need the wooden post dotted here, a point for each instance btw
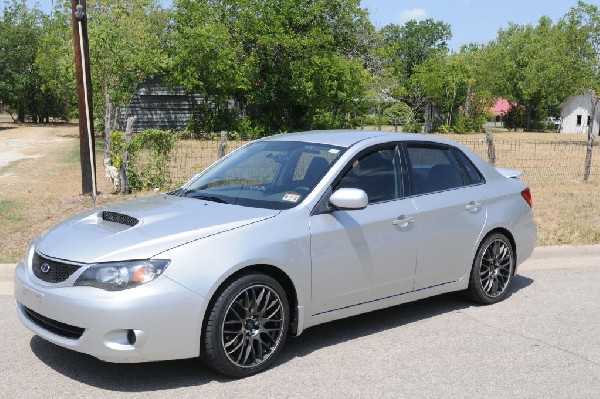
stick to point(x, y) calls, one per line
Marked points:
point(491, 148)
point(123, 172)
point(222, 145)
point(591, 138)
point(84, 99)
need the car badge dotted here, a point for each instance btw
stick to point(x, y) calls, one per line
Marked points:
point(45, 268)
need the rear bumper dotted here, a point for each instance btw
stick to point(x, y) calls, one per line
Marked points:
point(526, 238)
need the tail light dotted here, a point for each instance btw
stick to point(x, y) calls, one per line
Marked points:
point(526, 194)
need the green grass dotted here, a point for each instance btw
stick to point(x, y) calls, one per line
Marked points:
point(72, 155)
point(10, 211)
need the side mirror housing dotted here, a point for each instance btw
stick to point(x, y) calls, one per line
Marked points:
point(349, 199)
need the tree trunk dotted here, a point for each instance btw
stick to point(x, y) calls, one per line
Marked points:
point(428, 116)
point(468, 101)
point(107, 110)
point(21, 115)
point(528, 112)
point(591, 137)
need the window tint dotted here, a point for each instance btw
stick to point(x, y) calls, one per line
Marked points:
point(433, 169)
point(376, 174)
point(472, 172)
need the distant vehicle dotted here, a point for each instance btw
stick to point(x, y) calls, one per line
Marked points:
point(283, 234)
point(555, 123)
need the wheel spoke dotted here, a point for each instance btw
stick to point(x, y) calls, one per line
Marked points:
point(496, 268)
point(253, 326)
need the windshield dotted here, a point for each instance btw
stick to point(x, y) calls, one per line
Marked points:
point(265, 174)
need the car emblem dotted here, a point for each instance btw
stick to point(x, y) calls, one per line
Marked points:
point(45, 268)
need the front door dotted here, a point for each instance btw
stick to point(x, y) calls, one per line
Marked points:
point(369, 254)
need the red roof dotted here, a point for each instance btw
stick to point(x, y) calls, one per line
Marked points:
point(501, 107)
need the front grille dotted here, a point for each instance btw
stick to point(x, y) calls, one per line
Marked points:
point(119, 218)
point(51, 271)
point(56, 327)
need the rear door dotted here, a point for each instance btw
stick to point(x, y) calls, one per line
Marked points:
point(451, 212)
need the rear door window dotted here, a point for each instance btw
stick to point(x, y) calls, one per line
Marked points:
point(433, 168)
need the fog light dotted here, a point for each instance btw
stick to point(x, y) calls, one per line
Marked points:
point(131, 337)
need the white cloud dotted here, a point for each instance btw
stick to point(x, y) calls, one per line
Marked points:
point(418, 14)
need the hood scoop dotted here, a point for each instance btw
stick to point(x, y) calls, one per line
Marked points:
point(120, 218)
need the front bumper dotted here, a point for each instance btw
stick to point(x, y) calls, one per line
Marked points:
point(165, 317)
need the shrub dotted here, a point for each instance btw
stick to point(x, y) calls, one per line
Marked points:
point(149, 156)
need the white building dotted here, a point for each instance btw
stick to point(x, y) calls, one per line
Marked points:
point(576, 116)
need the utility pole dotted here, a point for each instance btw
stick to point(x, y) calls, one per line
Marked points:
point(84, 99)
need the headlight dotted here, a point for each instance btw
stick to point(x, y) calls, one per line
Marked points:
point(116, 276)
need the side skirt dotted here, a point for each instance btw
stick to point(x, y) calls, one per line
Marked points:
point(386, 302)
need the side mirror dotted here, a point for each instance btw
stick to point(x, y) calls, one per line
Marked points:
point(349, 199)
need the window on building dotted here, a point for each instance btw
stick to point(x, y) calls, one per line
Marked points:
point(578, 120)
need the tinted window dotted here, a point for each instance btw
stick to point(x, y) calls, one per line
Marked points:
point(470, 169)
point(376, 174)
point(433, 169)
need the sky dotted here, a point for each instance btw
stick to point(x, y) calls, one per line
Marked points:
point(472, 21)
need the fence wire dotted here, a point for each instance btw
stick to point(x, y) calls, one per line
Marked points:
point(543, 162)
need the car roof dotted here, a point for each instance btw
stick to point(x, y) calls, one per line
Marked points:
point(347, 138)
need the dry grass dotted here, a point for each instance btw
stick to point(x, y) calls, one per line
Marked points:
point(36, 193)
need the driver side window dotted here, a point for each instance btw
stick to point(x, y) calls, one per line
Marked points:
point(376, 174)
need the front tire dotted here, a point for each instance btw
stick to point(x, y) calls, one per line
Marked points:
point(246, 327)
point(492, 270)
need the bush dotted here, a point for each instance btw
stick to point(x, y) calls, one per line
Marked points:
point(414, 127)
point(149, 156)
point(469, 124)
point(515, 118)
point(397, 113)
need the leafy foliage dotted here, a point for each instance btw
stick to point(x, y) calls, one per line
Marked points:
point(149, 154)
point(286, 64)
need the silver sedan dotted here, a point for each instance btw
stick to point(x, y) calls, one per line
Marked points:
point(283, 234)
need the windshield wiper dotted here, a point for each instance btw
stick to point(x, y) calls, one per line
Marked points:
point(208, 198)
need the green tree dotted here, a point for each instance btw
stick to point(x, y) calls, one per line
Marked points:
point(413, 43)
point(456, 84)
point(536, 66)
point(127, 47)
point(407, 46)
point(20, 33)
point(55, 62)
point(287, 64)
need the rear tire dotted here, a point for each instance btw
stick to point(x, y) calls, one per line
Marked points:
point(246, 327)
point(492, 270)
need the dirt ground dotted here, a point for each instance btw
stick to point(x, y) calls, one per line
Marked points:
point(40, 183)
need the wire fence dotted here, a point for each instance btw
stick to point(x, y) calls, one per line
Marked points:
point(543, 162)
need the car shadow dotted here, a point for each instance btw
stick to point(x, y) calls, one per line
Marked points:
point(141, 377)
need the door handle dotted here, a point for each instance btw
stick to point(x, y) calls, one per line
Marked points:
point(403, 221)
point(473, 206)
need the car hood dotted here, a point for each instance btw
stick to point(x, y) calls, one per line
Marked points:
point(142, 228)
